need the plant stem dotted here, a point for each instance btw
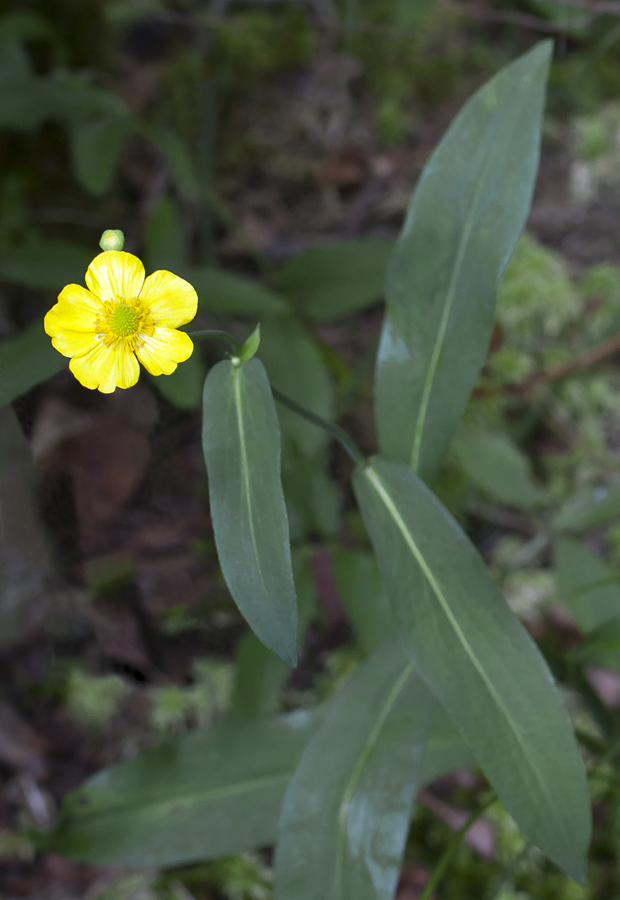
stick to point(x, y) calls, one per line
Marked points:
point(217, 333)
point(335, 431)
point(451, 849)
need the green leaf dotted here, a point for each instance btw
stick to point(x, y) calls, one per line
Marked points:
point(241, 443)
point(165, 238)
point(363, 596)
point(478, 660)
point(184, 387)
point(589, 507)
point(345, 814)
point(96, 146)
point(497, 467)
point(26, 360)
point(589, 588)
point(601, 648)
point(177, 155)
point(327, 283)
point(251, 345)
point(312, 496)
point(231, 295)
point(260, 675)
point(294, 364)
point(467, 212)
point(45, 264)
point(207, 794)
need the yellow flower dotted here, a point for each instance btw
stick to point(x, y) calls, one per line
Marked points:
point(120, 317)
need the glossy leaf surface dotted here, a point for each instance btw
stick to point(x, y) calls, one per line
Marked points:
point(496, 466)
point(589, 507)
point(26, 360)
point(588, 587)
point(344, 824)
point(241, 443)
point(209, 793)
point(466, 215)
point(478, 660)
point(327, 283)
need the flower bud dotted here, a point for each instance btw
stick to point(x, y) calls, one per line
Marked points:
point(112, 240)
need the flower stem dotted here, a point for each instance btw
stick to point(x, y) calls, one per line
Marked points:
point(216, 333)
point(335, 431)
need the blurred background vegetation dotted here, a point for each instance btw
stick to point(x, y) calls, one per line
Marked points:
point(267, 151)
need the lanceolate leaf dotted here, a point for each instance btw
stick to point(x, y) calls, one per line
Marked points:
point(466, 215)
point(26, 360)
point(478, 660)
point(203, 795)
point(344, 824)
point(327, 283)
point(589, 507)
point(241, 443)
point(587, 586)
point(497, 467)
point(210, 793)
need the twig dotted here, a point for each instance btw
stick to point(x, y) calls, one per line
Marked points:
point(583, 361)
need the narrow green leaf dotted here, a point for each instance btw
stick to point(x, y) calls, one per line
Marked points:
point(96, 146)
point(184, 387)
point(497, 467)
point(479, 661)
point(165, 238)
point(241, 443)
point(251, 345)
point(601, 648)
point(260, 675)
point(294, 364)
point(46, 265)
point(363, 596)
point(467, 212)
point(588, 587)
point(26, 360)
point(327, 283)
point(207, 794)
point(227, 294)
point(589, 507)
point(177, 154)
point(344, 824)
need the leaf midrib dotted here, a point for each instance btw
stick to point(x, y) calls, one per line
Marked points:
point(356, 774)
point(451, 293)
point(246, 480)
point(375, 480)
point(196, 797)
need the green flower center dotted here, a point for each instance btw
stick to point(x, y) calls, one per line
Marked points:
point(124, 321)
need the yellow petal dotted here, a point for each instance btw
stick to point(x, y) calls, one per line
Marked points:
point(74, 343)
point(106, 368)
point(115, 274)
point(162, 350)
point(172, 301)
point(76, 310)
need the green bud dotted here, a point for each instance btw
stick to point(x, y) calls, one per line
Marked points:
point(112, 240)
